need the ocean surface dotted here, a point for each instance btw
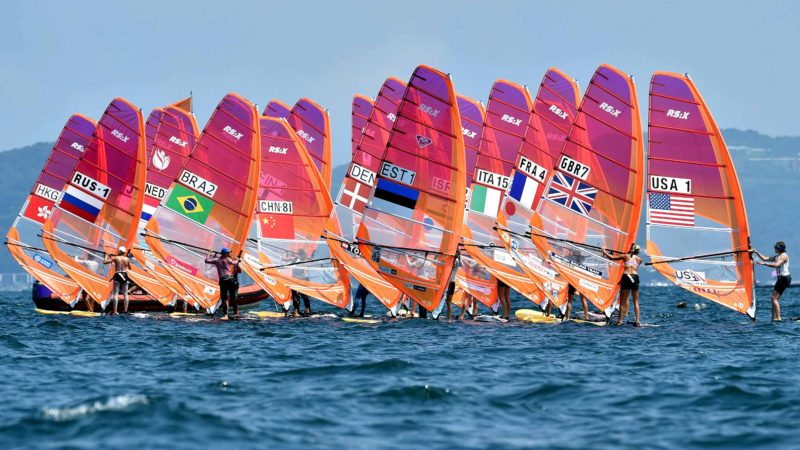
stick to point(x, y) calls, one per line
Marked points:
point(704, 377)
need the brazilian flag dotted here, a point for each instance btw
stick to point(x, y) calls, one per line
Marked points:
point(189, 203)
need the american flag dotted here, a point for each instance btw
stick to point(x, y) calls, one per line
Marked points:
point(572, 193)
point(669, 209)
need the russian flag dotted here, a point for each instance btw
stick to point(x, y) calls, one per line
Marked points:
point(81, 204)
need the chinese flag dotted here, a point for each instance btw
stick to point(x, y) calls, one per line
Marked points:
point(276, 226)
point(38, 209)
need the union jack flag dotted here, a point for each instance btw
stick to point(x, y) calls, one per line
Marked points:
point(572, 193)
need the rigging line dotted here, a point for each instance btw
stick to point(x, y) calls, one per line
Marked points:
point(294, 264)
point(685, 258)
point(26, 246)
point(172, 241)
point(568, 241)
point(61, 241)
point(391, 247)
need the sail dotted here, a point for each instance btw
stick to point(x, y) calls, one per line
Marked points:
point(100, 206)
point(286, 246)
point(507, 116)
point(362, 106)
point(353, 196)
point(23, 239)
point(312, 125)
point(471, 276)
point(594, 198)
point(554, 110)
point(277, 109)
point(411, 226)
point(171, 134)
point(211, 202)
point(697, 232)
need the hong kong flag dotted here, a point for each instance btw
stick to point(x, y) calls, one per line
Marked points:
point(38, 209)
point(276, 226)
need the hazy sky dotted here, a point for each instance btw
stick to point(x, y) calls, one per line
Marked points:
point(62, 57)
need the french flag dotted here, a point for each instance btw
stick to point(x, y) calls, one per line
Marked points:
point(81, 204)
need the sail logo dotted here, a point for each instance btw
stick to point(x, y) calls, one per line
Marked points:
point(423, 141)
point(90, 184)
point(42, 260)
point(511, 119)
point(440, 184)
point(161, 159)
point(47, 192)
point(119, 135)
point(178, 141)
point(683, 115)
point(573, 167)
point(668, 184)
point(690, 277)
point(493, 179)
point(610, 109)
point(305, 136)
point(198, 183)
point(468, 133)
point(705, 290)
point(428, 110)
point(558, 111)
point(397, 173)
point(392, 117)
point(78, 147)
point(154, 191)
point(532, 169)
point(362, 174)
point(278, 150)
point(275, 207)
point(232, 131)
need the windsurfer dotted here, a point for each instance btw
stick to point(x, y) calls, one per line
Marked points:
point(780, 262)
point(121, 265)
point(504, 295)
point(299, 273)
point(228, 271)
point(361, 297)
point(571, 296)
point(629, 284)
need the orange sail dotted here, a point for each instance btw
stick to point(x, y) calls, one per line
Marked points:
point(353, 196)
point(594, 198)
point(471, 277)
point(554, 110)
point(100, 206)
point(507, 116)
point(211, 202)
point(411, 227)
point(362, 107)
point(293, 206)
point(171, 134)
point(697, 231)
point(23, 239)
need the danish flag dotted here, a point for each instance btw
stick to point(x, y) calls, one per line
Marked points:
point(354, 195)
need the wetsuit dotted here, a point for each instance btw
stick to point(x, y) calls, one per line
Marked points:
point(361, 296)
point(228, 271)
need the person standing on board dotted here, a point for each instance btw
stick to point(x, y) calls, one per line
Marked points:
point(629, 283)
point(504, 294)
point(570, 297)
point(780, 262)
point(227, 270)
point(121, 265)
point(361, 297)
point(299, 273)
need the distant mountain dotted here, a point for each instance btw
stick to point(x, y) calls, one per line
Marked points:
point(768, 168)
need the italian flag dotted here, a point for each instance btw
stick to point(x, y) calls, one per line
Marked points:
point(485, 200)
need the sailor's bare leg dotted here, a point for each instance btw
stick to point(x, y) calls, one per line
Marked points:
point(635, 295)
point(623, 306)
point(585, 307)
point(776, 306)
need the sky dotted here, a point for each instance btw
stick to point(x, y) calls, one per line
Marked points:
point(64, 57)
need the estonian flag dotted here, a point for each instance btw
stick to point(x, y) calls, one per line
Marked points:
point(396, 193)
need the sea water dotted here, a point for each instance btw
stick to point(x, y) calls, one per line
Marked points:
point(705, 377)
